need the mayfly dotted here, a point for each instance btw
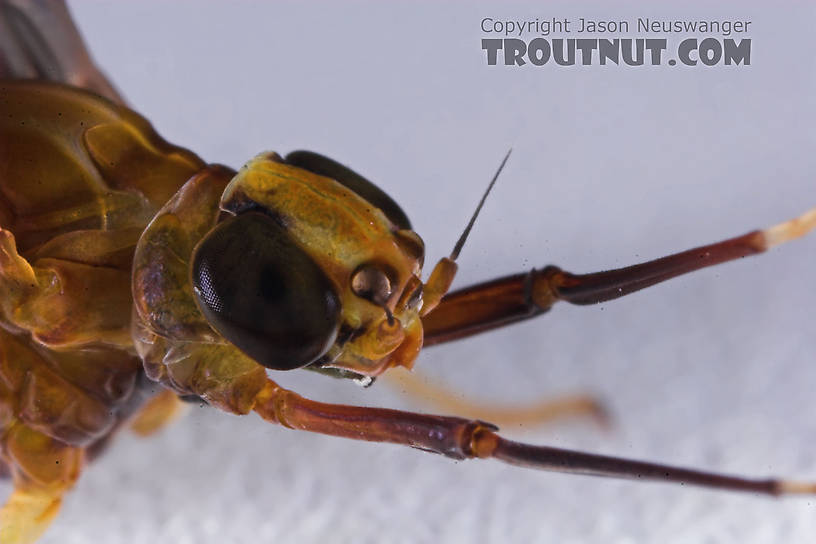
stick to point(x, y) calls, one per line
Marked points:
point(128, 261)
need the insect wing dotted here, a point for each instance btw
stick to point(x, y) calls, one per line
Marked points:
point(39, 40)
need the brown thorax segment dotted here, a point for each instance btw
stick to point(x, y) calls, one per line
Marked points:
point(81, 178)
point(107, 173)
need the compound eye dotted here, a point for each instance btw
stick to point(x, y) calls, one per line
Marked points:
point(371, 283)
point(263, 293)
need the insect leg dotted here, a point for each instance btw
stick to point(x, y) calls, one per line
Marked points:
point(538, 413)
point(518, 297)
point(459, 438)
point(157, 413)
point(27, 514)
point(43, 469)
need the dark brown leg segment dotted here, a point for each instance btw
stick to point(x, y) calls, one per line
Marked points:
point(514, 298)
point(463, 439)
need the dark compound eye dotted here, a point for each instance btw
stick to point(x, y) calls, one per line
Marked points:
point(412, 244)
point(263, 293)
point(371, 283)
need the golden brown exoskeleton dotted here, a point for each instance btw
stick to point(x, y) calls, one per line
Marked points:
point(79, 181)
point(125, 260)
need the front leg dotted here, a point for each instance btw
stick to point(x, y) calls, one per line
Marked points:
point(459, 439)
point(507, 300)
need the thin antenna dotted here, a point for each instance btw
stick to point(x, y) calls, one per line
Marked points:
point(461, 242)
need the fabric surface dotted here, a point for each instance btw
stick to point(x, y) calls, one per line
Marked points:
point(610, 166)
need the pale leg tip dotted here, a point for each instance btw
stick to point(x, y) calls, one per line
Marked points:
point(787, 487)
point(790, 230)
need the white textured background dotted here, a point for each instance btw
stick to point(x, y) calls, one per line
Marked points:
point(611, 166)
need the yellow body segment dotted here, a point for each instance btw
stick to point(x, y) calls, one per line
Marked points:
point(80, 178)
